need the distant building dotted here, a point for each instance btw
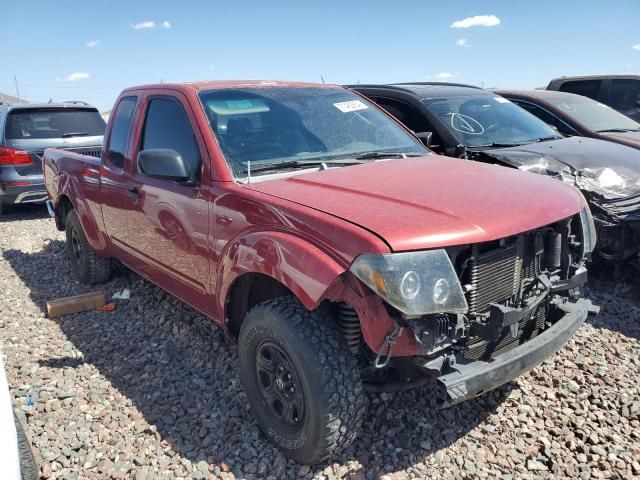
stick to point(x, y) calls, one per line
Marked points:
point(6, 98)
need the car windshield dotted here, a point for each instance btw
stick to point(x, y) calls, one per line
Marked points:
point(594, 115)
point(488, 121)
point(39, 123)
point(286, 126)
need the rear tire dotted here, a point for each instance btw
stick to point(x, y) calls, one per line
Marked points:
point(301, 380)
point(87, 265)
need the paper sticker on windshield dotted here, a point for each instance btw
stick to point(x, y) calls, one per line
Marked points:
point(501, 100)
point(350, 106)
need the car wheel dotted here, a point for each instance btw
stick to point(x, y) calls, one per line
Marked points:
point(86, 264)
point(301, 380)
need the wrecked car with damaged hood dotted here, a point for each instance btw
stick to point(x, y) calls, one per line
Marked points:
point(321, 234)
point(466, 121)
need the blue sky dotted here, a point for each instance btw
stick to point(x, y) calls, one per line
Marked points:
point(46, 44)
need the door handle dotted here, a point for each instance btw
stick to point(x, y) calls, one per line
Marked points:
point(134, 194)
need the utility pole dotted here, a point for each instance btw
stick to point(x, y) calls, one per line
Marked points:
point(15, 79)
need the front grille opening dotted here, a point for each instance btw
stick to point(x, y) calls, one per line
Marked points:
point(506, 273)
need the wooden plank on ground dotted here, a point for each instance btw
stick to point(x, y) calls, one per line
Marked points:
point(78, 303)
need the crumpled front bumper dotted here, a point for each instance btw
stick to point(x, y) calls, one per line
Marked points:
point(474, 378)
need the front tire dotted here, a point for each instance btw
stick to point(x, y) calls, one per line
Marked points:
point(87, 265)
point(301, 380)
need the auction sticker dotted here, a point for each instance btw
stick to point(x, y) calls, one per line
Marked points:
point(350, 106)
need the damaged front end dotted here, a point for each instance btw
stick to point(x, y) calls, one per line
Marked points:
point(523, 302)
point(613, 194)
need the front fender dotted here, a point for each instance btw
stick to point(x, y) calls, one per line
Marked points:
point(68, 187)
point(304, 268)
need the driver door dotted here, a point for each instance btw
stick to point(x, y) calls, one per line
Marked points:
point(168, 222)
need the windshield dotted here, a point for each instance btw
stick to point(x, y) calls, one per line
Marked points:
point(593, 115)
point(487, 120)
point(27, 123)
point(273, 125)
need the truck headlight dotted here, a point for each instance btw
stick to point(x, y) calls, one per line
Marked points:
point(416, 283)
point(589, 236)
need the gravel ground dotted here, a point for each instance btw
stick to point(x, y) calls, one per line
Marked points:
point(151, 391)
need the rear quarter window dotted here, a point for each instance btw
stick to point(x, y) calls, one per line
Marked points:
point(27, 124)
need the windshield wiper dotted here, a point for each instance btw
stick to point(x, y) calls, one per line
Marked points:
point(74, 134)
point(297, 163)
point(497, 145)
point(618, 130)
point(375, 155)
point(546, 139)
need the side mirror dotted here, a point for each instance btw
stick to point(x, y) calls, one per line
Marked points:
point(425, 137)
point(163, 163)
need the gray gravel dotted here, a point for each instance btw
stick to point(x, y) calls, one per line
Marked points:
point(151, 391)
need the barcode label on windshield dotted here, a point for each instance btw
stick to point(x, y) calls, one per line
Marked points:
point(350, 106)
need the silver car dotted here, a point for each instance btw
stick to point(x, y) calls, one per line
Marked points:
point(26, 130)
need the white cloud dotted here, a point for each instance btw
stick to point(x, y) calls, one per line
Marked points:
point(92, 43)
point(74, 77)
point(477, 21)
point(463, 42)
point(143, 25)
point(636, 47)
point(150, 24)
point(445, 75)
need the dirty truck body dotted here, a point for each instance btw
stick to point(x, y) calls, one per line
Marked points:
point(306, 222)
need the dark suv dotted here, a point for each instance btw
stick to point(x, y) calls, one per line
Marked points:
point(26, 130)
point(621, 92)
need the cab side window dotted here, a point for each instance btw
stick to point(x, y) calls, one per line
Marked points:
point(167, 126)
point(410, 118)
point(120, 131)
point(624, 94)
point(586, 88)
point(543, 115)
point(546, 117)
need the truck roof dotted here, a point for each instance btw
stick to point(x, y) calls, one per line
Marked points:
point(219, 84)
point(594, 77)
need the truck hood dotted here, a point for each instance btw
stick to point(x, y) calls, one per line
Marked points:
point(432, 201)
point(607, 169)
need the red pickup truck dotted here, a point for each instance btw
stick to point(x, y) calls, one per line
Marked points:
point(339, 252)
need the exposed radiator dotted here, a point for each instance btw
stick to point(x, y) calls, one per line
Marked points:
point(493, 276)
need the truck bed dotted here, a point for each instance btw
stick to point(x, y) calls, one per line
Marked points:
point(58, 165)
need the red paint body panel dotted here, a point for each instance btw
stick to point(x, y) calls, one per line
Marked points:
point(433, 201)
point(303, 231)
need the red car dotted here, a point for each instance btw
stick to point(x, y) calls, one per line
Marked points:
point(340, 252)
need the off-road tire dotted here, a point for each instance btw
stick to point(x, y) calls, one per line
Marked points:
point(327, 371)
point(28, 466)
point(87, 265)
